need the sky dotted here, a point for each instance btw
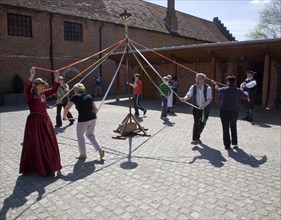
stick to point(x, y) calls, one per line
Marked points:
point(238, 16)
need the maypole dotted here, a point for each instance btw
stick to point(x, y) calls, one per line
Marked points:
point(130, 124)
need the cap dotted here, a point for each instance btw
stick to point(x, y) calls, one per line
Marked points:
point(61, 77)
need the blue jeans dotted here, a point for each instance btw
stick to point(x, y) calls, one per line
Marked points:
point(164, 107)
point(137, 105)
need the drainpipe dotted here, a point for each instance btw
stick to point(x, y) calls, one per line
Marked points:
point(51, 55)
point(100, 67)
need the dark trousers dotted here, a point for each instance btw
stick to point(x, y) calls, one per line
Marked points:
point(137, 105)
point(229, 120)
point(175, 96)
point(58, 117)
point(198, 124)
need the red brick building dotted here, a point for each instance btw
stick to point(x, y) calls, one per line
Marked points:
point(53, 34)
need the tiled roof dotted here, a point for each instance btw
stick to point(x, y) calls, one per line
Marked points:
point(145, 15)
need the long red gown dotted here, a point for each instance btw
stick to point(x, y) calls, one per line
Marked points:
point(40, 151)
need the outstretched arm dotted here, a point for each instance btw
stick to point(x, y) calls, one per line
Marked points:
point(55, 86)
point(66, 109)
point(28, 84)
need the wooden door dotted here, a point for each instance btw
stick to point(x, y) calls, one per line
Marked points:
point(149, 90)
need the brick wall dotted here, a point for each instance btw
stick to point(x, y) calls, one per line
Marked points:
point(18, 54)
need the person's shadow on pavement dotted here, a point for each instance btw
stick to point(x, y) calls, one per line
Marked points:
point(207, 153)
point(241, 156)
point(25, 186)
point(59, 130)
point(29, 183)
point(81, 170)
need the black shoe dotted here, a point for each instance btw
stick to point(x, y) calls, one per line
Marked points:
point(144, 112)
point(227, 148)
point(194, 142)
point(57, 126)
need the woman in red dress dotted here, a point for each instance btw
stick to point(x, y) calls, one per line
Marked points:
point(40, 152)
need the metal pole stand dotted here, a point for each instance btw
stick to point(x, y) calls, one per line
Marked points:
point(130, 126)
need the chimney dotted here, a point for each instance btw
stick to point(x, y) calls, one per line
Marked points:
point(171, 19)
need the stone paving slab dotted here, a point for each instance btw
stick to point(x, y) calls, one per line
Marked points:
point(158, 177)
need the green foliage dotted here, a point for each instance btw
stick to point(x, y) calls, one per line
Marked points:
point(269, 25)
point(17, 84)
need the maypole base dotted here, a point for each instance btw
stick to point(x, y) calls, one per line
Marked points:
point(130, 127)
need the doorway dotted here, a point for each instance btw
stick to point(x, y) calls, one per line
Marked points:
point(149, 90)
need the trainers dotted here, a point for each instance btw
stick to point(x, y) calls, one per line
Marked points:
point(101, 154)
point(144, 112)
point(81, 157)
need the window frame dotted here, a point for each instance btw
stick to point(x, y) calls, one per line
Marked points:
point(73, 31)
point(19, 25)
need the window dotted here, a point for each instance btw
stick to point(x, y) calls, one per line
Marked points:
point(73, 31)
point(19, 25)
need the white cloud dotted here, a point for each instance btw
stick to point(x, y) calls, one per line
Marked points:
point(259, 1)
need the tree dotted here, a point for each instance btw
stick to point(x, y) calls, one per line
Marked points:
point(269, 25)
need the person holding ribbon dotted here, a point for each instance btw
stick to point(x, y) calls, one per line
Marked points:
point(249, 86)
point(229, 110)
point(87, 115)
point(62, 100)
point(40, 151)
point(201, 94)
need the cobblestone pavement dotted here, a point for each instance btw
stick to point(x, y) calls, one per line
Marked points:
point(158, 177)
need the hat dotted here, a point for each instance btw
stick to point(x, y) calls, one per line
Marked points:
point(61, 77)
point(38, 81)
point(251, 72)
point(137, 75)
